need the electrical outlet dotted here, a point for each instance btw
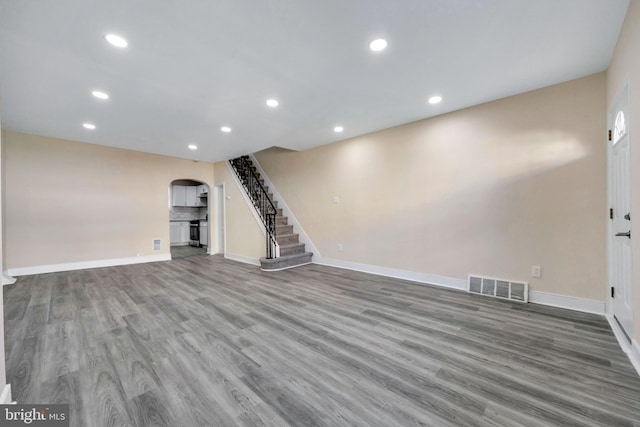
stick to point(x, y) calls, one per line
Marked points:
point(339, 247)
point(536, 271)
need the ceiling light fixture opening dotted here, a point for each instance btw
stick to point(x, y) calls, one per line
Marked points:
point(100, 95)
point(192, 147)
point(377, 45)
point(116, 40)
point(89, 126)
point(338, 129)
point(435, 99)
point(272, 102)
point(225, 129)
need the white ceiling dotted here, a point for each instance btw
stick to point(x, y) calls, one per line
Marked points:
point(196, 65)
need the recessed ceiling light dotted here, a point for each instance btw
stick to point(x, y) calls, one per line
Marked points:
point(193, 147)
point(226, 129)
point(435, 99)
point(100, 95)
point(89, 126)
point(338, 129)
point(272, 102)
point(377, 45)
point(116, 40)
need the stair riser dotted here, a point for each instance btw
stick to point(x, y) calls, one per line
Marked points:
point(284, 229)
point(299, 249)
point(288, 239)
point(277, 265)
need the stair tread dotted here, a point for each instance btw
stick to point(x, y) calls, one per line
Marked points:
point(287, 257)
point(286, 261)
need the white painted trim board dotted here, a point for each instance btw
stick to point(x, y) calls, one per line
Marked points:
point(242, 258)
point(5, 396)
point(536, 297)
point(414, 276)
point(634, 355)
point(631, 349)
point(53, 268)
point(7, 279)
point(571, 303)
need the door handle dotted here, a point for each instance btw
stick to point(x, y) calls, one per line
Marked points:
point(627, 234)
point(628, 216)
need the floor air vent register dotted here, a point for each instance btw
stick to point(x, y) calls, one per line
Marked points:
point(498, 288)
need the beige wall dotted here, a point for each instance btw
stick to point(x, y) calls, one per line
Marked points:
point(244, 238)
point(3, 375)
point(70, 202)
point(625, 68)
point(492, 189)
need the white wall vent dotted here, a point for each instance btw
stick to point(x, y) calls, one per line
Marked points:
point(157, 244)
point(498, 288)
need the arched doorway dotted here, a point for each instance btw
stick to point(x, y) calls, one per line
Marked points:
point(189, 211)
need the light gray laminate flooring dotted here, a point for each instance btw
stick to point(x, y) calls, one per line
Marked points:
point(205, 341)
point(187, 251)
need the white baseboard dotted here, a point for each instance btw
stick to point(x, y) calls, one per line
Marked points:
point(5, 396)
point(571, 303)
point(631, 349)
point(242, 258)
point(53, 268)
point(430, 279)
point(555, 300)
point(7, 279)
point(634, 355)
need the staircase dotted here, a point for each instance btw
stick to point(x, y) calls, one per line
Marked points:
point(284, 249)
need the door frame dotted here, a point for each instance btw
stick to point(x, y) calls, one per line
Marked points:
point(209, 205)
point(624, 337)
point(219, 215)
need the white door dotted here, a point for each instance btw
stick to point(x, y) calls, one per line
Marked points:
point(620, 233)
point(219, 217)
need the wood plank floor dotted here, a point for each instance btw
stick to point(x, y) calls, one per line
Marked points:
point(187, 251)
point(204, 341)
